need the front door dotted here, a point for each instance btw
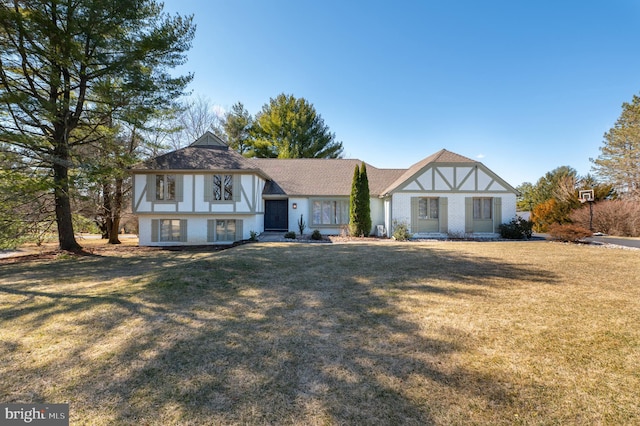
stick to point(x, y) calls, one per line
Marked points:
point(276, 216)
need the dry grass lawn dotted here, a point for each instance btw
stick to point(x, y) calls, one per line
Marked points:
point(322, 334)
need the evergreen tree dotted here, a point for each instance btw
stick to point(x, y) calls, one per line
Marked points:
point(237, 126)
point(354, 204)
point(360, 203)
point(289, 127)
point(57, 60)
point(365, 202)
point(619, 161)
point(526, 197)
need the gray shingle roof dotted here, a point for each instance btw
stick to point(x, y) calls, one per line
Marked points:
point(442, 156)
point(291, 177)
point(209, 158)
point(319, 177)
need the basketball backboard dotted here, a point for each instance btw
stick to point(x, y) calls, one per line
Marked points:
point(586, 195)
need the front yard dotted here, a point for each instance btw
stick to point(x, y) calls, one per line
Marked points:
point(360, 333)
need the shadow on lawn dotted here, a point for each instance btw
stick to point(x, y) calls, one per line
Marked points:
point(281, 334)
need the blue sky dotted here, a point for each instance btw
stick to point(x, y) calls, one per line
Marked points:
point(523, 86)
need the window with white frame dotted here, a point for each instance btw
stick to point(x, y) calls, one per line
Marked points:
point(329, 212)
point(482, 208)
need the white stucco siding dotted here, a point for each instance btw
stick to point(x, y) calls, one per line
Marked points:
point(425, 180)
point(251, 193)
point(250, 223)
point(401, 205)
point(508, 207)
point(440, 184)
point(444, 178)
point(198, 190)
point(186, 204)
point(413, 186)
point(165, 208)
point(225, 207)
point(140, 202)
point(303, 209)
point(484, 180)
point(456, 210)
point(193, 197)
point(144, 231)
point(387, 216)
point(260, 184)
point(377, 214)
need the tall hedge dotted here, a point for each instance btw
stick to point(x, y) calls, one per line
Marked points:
point(364, 204)
point(354, 200)
point(359, 203)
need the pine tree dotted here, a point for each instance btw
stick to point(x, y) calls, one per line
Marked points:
point(290, 127)
point(58, 60)
point(619, 161)
point(237, 125)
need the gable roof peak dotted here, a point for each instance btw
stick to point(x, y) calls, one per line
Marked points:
point(445, 156)
point(442, 156)
point(209, 140)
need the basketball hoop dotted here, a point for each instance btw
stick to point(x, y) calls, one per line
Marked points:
point(586, 196)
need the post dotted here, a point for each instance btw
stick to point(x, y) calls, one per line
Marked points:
point(587, 196)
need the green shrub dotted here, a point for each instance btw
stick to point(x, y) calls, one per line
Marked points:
point(517, 229)
point(316, 235)
point(290, 235)
point(401, 231)
point(253, 236)
point(568, 232)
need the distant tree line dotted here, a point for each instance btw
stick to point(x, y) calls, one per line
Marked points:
point(554, 200)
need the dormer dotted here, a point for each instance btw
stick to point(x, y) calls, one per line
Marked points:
point(209, 140)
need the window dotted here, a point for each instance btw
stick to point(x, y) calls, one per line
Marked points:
point(226, 230)
point(170, 230)
point(166, 187)
point(219, 188)
point(428, 208)
point(482, 208)
point(330, 212)
point(222, 187)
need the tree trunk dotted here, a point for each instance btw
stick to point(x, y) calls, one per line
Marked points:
point(106, 211)
point(66, 235)
point(116, 209)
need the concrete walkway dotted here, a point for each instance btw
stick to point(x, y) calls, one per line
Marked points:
point(271, 237)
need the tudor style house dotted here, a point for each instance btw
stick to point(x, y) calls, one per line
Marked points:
point(207, 193)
